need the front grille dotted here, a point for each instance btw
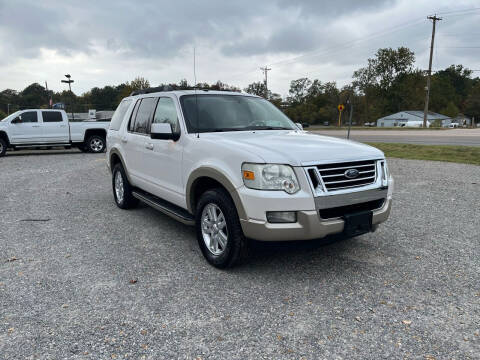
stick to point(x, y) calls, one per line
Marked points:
point(350, 209)
point(334, 178)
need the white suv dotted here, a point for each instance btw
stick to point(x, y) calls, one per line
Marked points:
point(237, 168)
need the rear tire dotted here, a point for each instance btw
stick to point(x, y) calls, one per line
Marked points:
point(218, 228)
point(96, 144)
point(3, 147)
point(122, 190)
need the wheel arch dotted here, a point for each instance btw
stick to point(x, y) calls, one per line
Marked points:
point(4, 136)
point(114, 158)
point(90, 132)
point(205, 178)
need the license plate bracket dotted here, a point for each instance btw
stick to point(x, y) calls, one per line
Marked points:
point(358, 223)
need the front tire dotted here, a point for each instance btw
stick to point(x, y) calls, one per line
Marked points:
point(122, 190)
point(218, 228)
point(96, 144)
point(3, 147)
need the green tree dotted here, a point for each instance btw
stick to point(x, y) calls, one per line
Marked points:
point(256, 88)
point(451, 110)
point(139, 83)
point(33, 96)
point(472, 104)
point(299, 90)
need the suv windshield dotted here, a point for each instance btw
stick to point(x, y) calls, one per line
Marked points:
point(232, 113)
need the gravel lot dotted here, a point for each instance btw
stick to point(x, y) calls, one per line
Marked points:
point(87, 280)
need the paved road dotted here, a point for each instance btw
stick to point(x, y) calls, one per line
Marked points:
point(467, 137)
point(82, 279)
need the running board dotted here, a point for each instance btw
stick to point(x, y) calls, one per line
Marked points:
point(165, 207)
point(40, 145)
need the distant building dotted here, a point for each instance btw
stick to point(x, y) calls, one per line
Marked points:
point(413, 119)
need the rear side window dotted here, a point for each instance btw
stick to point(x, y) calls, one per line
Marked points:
point(144, 113)
point(52, 116)
point(131, 124)
point(119, 114)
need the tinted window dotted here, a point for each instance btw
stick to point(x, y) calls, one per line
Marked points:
point(131, 124)
point(52, 116)
point(28, 117)
point(167, 113)
point(119, 114)
point(144, 113)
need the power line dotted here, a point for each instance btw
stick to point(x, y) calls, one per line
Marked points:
point(346, 45)
point(460, 11)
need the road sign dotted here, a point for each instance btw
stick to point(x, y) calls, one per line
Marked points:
point(341, 107)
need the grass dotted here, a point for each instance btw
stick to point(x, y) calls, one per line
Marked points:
point(449, 153)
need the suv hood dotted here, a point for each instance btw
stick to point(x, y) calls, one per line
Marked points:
point(296, 148)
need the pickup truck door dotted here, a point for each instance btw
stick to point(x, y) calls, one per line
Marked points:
point(162, 161)
point(55, 127)
point(25, 128)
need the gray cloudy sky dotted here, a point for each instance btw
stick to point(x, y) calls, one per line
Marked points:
point(110, 42)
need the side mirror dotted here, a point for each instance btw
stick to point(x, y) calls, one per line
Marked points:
point(17, 120)
point(163, 131)
point(299, 125)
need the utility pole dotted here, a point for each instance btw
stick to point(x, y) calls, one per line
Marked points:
point(69, 82)
point(349, 102)
point(429, 74)
point(8, 109)
point(265, 70)
point(49, 95)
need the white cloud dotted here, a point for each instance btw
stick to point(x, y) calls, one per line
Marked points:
point(107, 43)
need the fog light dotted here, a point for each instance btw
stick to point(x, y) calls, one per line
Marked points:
point(281, 216)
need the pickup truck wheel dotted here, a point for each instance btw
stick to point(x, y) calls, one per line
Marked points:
point(96, 144)
point(122, 190)
point(219, 232)
point(3, 147)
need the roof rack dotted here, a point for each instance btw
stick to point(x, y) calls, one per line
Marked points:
point(152, 90)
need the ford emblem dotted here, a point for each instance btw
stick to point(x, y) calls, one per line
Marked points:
point(351, 173)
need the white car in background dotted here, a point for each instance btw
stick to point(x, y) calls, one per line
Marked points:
point(50, 128)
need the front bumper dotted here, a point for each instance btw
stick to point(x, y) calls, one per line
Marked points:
point(309, 226)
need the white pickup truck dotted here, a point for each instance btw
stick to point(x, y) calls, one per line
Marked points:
point(50, 128)
point(237, 168)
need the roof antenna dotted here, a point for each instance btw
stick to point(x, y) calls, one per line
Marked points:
point(195, 89)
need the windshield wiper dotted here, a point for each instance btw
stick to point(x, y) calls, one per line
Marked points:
point(267, 128)
point(221, 129)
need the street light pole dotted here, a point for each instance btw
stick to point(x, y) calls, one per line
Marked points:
point(69, 82)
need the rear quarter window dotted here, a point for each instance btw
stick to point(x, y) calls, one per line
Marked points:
point(119, 115)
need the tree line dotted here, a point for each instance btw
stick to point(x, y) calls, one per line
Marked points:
point(388, 83)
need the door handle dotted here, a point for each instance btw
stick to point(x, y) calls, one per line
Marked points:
point(63, 125)
point(124, 139)
point(149, 146)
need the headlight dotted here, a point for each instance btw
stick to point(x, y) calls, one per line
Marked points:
point(270, 177)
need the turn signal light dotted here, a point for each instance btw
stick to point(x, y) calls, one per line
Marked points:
point(248, 175)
